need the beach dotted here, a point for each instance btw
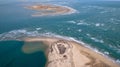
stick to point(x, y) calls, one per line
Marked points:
point(69, 53)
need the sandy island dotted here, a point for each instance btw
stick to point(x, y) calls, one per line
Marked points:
point(68, 53)
point(47, 9)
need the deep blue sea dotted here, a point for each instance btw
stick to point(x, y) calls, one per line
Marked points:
point(95, 23)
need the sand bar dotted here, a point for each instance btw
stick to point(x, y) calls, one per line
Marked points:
point(48, 9)
point(68, 53)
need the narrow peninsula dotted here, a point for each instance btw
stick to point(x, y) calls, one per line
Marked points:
point(68, 53)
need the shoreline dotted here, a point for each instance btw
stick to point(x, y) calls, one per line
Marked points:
point(83, 51)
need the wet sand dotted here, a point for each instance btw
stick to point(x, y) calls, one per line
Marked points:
point(47, 9)
point(68, 53)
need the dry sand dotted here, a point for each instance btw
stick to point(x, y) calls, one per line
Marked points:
point(68, 53)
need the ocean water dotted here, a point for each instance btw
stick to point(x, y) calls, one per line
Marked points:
point(95, 23)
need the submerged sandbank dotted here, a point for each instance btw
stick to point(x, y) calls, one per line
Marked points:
point(50, 10)
point(68, 53)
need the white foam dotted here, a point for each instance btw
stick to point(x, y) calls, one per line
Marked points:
point(118, 61)
point(95, 39)
point(71, 22)
point(82, 24)
point(114, 20)
point(106, 52)
point(16, 34)
point(88, 34)
point(38, 28)
point(116, 48)
point(97, 24)
point(79, 30)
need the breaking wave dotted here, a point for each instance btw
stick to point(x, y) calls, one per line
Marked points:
point(18, 34)
point(79, 22)
point(95, 39)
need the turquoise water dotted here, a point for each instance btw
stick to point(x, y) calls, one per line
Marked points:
point(95, 23)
